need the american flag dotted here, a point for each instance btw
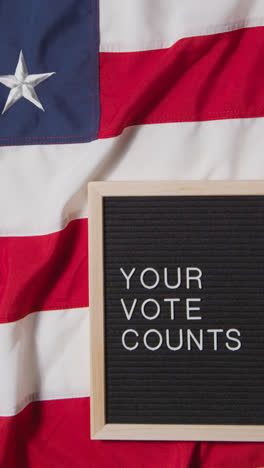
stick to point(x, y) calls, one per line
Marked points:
point(105, 90)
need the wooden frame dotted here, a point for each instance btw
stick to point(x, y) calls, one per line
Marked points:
point(99, 429)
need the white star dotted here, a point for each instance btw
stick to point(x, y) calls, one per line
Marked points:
point(22, 84)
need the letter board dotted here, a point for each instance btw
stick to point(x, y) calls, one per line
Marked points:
point(176, 278)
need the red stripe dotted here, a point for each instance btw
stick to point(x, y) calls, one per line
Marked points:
point(44, 272)
point(56, 434)
point(199, 78)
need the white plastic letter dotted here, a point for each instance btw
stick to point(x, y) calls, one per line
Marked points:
point(190, 277)
point(152, 286)
point(132, 308)
point(175, 286)
point(128, 276)
point(190, 336)
point(154, 348)
point(129, 348)
point(215, 336)
point(172, 300)
point(152, 317)
point(174, 348)
point(188, 309)
point(238, 346)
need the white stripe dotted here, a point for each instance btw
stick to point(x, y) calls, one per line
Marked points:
point(44, 356)
point(130, 25)
point(42, 188)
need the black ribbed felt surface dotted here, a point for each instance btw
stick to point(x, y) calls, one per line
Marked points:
point(224, 237)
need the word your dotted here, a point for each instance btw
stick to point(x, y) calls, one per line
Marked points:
point(192, 274)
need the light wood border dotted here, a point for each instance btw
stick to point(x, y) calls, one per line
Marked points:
point(99, 429)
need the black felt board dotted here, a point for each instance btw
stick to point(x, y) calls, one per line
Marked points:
point(224, 237)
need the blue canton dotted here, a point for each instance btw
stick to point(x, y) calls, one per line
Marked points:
point(56, 38)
